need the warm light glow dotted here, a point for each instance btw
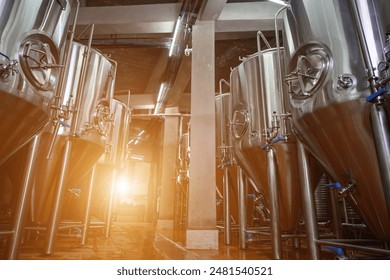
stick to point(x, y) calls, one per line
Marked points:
point(123, 185)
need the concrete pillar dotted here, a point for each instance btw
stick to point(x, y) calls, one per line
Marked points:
point(201, 224)
point(166, 192)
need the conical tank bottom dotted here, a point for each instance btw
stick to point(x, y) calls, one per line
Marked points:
point(83, 156)
point(340, 137)
point(20, 122)
point(253, 161)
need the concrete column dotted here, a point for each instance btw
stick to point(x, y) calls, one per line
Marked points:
point(201, 224)
point(166, 192)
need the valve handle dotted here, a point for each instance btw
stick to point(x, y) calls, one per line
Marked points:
point(338, 251)
point(372, 97)
point(335, 185)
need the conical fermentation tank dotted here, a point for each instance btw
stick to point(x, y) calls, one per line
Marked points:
point(109, 168)
point(85, 120)
point(32, 46)
point(335, 61)
point(259, 121)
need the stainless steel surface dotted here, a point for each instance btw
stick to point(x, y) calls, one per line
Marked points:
point(226, 206)
point(58, 197)
point(32, 39)
point(91, 127)
point(381, 129)
point(259, 119)
point(119, 133)
point(309, 210)
point(328, 83)
point(276, 237)
point(21, 211)
point(224, 154)
point(242, 213)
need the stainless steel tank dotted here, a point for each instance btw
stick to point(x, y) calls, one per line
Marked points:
point(259, 120)
point(85, 120)
point(32, 42)
point(329, 47)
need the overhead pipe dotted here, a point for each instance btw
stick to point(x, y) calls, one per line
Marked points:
point(182, 35)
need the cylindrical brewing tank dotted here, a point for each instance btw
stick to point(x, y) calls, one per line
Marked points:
point(328, 83)
point(257, 107)
point(226, 168)
point(119, 133)
point(90, 128)
point(114, 158)
point(32, 42)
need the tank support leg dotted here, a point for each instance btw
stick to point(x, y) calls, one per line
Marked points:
point(87, 213)
point(381, 128)
point(276, 236)
point(308, 203)
point(23, 201)
point(58, 200)
point(226, 205)
point(241, 208)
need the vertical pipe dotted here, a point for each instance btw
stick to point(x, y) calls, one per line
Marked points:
point(381, 128)
point(88, 207)
point(55, 216)
point(379, 115)
point(308, 202)
point(110, 203)
point(226, 205)
point(335, 214)
point(23, 201)
point(276, 236)
point(241, 208)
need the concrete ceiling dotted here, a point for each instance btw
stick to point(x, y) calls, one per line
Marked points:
point(137, 34)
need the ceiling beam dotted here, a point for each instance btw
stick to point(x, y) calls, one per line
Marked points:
point(134, 19)
point(243, 17)
point(161, 18)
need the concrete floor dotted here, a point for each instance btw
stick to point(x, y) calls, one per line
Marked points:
point(141, 241)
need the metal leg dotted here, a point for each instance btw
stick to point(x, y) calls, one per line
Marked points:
point(241, 208)
point(87, 217)
point(226, 205)
point(276, 237)
point(23, 202)
point(381, 128)
point(308, 203)
point(335, 214)
point(110, 204)
point(58, 199)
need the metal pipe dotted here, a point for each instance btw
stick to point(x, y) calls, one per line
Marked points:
point(62, 84)
point(241, 208)
point(58, 199)
point(308, 200)
point(380, 123)
point(379, 116)
point(364, 46)
point(335, 213)
point(274, 205)
point(355, 247)
point(279, 57)
point(226, 205)
point(80, 88)
point(221, 94)
point(264, 109)
point(110, 203)
point(87, 212)
point(23, 200)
